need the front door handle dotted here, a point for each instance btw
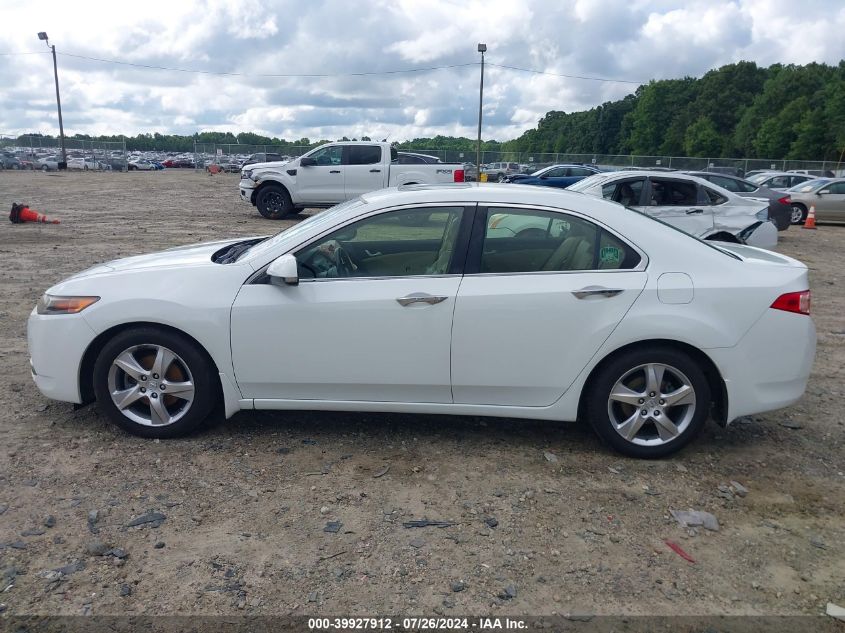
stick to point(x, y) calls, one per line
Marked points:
point(334, 171)
point(419, 297)
point(596, 291)
point(694, 211)
point(375, 171)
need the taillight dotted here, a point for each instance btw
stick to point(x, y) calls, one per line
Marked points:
point(785, 200)
point(459, 175)
point(798, 302)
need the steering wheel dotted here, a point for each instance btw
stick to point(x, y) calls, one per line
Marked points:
point(345, 266)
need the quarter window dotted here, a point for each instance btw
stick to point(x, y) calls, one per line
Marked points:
point(520, 240)
point(393, 244)
point(714, 197)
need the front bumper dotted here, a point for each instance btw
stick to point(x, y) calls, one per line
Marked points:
point(247, 190)
point(56, 346)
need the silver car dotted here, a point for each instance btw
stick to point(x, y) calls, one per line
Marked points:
point(827, 195)
point(691, 204)
point(778, 180)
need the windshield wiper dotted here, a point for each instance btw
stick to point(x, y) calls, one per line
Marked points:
point(233, 252)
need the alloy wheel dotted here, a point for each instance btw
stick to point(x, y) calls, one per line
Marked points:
point(797, 215)
point(651, 404)
point(151, 385)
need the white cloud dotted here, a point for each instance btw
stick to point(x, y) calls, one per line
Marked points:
point(626, 39)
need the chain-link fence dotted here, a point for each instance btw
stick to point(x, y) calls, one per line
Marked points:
point(45, 154)
point(228, 155)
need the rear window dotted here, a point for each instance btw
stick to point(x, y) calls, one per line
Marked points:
point(364, 154)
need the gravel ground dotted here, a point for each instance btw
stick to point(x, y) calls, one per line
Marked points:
point(278, 513)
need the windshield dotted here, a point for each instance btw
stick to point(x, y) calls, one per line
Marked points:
point(307, 224)
point(809, 185)
point(589, 181)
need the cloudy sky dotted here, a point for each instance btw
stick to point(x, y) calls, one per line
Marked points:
point(251, 40)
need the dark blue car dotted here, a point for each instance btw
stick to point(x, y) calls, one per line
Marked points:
point(555, 176)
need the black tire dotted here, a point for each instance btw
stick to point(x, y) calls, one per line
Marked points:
point(501, 178)
point(599, 405)
point(274, 203)
point(799, 213)
point(45, 168)
point(200, 369)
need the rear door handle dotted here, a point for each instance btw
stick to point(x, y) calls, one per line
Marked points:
point(334, 171)
point(694, 211)
point(375, 171)
point(419, 297)
point(596, 291)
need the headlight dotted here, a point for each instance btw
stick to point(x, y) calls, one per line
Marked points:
point(246, 174)
point(763, 215)
point(48, 304)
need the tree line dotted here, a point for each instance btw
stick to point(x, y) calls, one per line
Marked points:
point(739, 110)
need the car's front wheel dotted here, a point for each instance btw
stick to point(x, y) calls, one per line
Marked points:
point(154, 383)
point(274, 203)
point(799, 214)
point(649, 403)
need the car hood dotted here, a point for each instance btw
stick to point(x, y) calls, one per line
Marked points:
point(270, 165)
point(181, 256)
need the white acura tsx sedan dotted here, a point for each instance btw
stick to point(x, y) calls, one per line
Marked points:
point(430, 299)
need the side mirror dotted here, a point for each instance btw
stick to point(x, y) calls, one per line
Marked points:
point(284, 269)
point(307, 161)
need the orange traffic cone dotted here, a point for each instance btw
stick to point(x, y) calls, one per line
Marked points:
point(810, 222)
point(21, 213)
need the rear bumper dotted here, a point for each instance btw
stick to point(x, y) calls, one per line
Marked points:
point(770, 366)
point(763, 235)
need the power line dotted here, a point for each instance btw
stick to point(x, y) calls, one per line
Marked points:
point(543, 72)
point(326, 75)
point(277, 75)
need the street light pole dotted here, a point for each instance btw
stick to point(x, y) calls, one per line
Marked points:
point(482, 48)
point(43, 36)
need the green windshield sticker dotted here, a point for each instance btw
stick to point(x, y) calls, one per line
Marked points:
point(610, 255)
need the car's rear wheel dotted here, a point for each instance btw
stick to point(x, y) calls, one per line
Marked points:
point(154, 383)
point(799, 214)
point(274, 203)
point(649, 403)
point(45, 168)
point(501, 178)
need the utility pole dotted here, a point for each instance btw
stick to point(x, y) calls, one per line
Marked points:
point(43, 36)
point(482, 48)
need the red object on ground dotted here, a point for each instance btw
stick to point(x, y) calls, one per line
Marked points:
point(21, 213)
point(680, 552)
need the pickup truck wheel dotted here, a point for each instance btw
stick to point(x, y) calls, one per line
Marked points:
point(274, 203)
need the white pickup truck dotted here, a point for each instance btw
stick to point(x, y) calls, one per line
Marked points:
point(333, 173)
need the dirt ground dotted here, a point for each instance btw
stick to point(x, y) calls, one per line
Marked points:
point(245, 503)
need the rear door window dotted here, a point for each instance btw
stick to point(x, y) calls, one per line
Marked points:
point(364, 154)
point(673, 193)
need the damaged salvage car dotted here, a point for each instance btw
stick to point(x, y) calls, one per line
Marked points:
point(689, 203)
point(485, 300)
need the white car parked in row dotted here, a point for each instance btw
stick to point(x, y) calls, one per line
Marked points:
point(689, 203)
point(419, 300)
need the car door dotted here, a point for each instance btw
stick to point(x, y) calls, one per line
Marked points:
point(371, 317)
point(830, 202)
point(679, 203)
point(363, 169)
point(322, 183)
point(533, 309)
